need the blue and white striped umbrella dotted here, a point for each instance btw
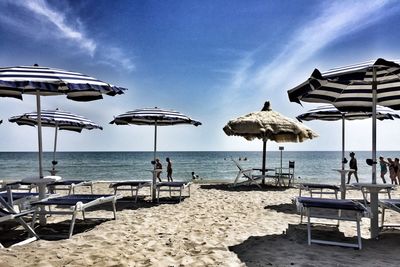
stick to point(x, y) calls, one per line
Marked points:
point(359, 87)
point(60, 120)
point(157, 117)
point(330, 113)
point(43, 81)
point(15, 81)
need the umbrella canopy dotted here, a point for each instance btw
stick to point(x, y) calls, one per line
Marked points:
point(15, 81)
point(359, 87)
point(268, 125)
point(60, 120)
point(155, 117)
point(330, 113)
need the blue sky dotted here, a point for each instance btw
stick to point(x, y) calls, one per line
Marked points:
point(212, 60)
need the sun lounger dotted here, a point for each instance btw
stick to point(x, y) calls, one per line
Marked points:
point(21, 186)
point(321, 189)
point(18, 198)
point(75, 204)
point(69, 185)
point(354, 212)
point(172, 187)
point(247, 174)
point(132, 186)
point(6, 215)
point(392, 204)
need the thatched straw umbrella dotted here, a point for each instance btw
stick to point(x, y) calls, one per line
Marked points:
point(268, 125)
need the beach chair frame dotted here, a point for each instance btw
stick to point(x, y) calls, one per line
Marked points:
point(311, 204)
point(392, 204)
point(172, 187)
point(131, 186)
point(78, 207)
point(8, 213)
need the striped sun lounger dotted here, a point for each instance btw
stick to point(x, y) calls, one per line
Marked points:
point(75, 204)
point(355, 211)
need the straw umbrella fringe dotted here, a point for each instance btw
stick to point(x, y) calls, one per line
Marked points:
point(268, 125)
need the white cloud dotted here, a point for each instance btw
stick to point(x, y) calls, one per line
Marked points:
point(337, 20)
point(41, 21)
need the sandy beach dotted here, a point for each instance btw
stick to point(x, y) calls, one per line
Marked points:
point(216, 226)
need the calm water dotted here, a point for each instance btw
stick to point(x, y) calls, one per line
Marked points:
point(310, 166)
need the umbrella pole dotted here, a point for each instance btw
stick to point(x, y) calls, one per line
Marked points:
point(264, 159)
point(54, 151)
point(154, 170)
point(374, 193)
point(42, 186)
point(342, 173)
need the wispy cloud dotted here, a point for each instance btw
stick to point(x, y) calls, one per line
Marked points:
point(39, 18)
point(337, 20)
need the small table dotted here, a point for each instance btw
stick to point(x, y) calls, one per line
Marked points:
point(343, 173)
point(374, 190)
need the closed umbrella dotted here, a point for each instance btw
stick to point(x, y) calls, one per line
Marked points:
point(268, 125)
point(330, 113)
point(154, 117)
point(59, 120)
point(359, 87)
point(44, 81)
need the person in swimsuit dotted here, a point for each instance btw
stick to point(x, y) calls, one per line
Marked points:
point(353, 166)
point(158, 168)
point(396, 171)
point(169, 170)
point(384, 168)
point(391, 170)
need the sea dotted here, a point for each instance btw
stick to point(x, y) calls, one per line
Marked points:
point(310, 166)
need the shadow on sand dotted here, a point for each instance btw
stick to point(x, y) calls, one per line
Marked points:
point(291, 249)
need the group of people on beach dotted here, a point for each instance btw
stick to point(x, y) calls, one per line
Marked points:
point(158, 166)
point(393, 166)
point(394, 169)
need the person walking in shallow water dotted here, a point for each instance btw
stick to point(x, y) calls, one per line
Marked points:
point(169, 170)
point(353, 166)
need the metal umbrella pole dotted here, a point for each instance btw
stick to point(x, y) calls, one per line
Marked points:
point(264, 159)
point(343, 174)
point(155, 167)
point(42, 186)
point(374, 193)
point(54, 162)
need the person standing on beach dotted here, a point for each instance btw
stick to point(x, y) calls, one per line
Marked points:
point(169, 170)
point(396, 170)
point(384, 168)
point(353, 166)
point(391, 170)
point(158, 169)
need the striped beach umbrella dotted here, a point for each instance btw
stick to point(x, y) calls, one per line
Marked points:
point(359, 87)
point(43, 81)
point(268, 125)
point(330, 113)
point(59, 120)
point(154, 117)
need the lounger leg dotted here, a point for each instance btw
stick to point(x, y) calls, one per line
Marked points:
point(180, 194)
point(132, 191)
point(137, 192)
point(114, 208)
point(91, 189)
point(71, 228)
point(308, 226)
point(189, 189)
point(383, 216)
point(158, 195)
point(359, 231)
point(27, 227)
point(170, 192)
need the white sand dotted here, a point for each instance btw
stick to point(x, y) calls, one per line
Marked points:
point(216, 226)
